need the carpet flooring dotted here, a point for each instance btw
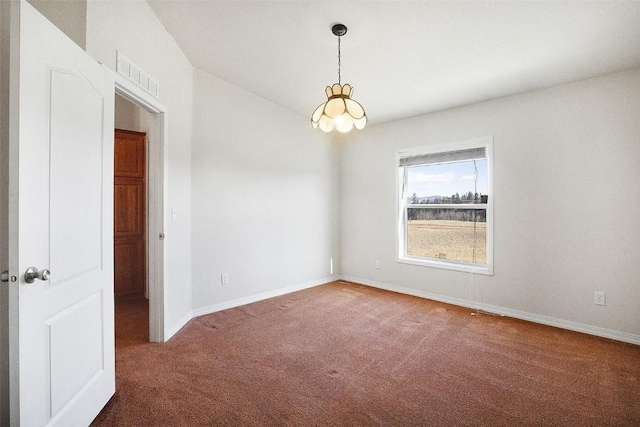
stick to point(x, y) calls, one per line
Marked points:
point(343, 354)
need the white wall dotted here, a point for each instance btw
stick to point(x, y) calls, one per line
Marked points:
point(264, 197)
point(128, 114)
point(567, 197)
point(132, 28)
point(68, 16)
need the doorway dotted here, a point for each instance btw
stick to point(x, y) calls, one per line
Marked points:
point(142, 115)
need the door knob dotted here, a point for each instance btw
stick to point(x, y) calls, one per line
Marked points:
point(4, 277)
point(32, 274)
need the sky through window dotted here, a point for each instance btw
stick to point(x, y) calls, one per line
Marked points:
point(446, 179)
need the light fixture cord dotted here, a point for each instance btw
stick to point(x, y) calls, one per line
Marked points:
point(339, 58)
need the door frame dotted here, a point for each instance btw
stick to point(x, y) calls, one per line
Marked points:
point(156, 191)
point(5, 23)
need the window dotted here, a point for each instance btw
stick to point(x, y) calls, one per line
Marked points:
point(445, 206)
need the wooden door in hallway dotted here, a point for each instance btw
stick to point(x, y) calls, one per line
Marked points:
point(130, 213)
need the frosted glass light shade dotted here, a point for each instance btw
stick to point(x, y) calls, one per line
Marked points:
point(340, 112)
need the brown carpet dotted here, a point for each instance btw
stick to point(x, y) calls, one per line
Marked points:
point(343, 354)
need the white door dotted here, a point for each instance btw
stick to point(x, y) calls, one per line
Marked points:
point(61, 219)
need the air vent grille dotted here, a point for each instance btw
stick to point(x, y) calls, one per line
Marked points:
point(131, 71)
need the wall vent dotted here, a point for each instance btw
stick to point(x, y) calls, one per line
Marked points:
point(131, 71)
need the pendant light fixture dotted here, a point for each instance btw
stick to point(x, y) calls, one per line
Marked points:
point(340, 112)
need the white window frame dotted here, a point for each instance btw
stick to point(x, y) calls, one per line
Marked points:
point(485, 142)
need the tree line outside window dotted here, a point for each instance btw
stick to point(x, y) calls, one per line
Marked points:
point(426, 210)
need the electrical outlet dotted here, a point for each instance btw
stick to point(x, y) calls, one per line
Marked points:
point(224, 278)
point(378, 264)
point(599, 298)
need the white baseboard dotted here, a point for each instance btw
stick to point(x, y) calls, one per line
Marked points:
point(178, 325)
point(201, 311)
point(545, 320)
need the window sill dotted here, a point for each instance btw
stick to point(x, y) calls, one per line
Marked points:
point(447, 265)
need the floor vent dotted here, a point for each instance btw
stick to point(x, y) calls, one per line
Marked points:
point(131, 71)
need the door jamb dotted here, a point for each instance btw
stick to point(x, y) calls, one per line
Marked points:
point(157, 162)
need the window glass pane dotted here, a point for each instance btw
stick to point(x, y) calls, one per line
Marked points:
point(454, 234)
point(456, 182)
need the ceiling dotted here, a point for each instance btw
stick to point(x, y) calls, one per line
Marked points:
point(403, 58)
